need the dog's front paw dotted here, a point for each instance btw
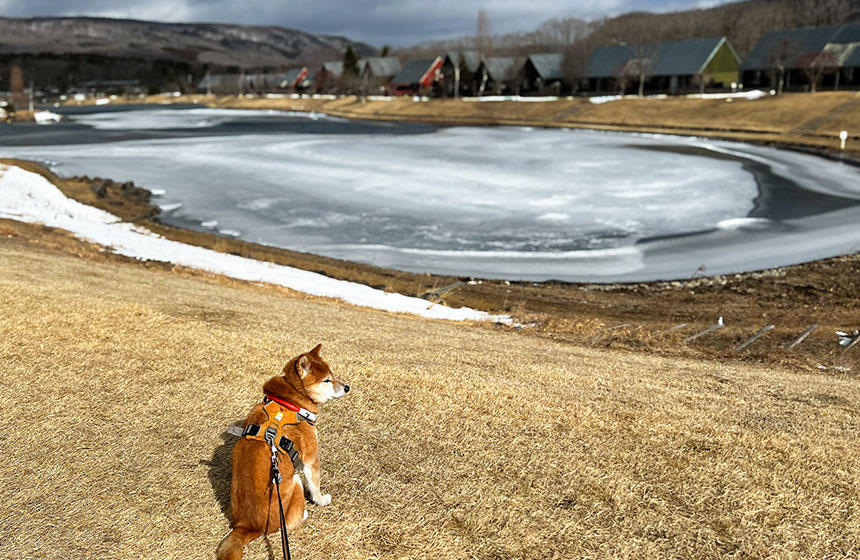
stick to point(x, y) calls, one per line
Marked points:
point(324, 500)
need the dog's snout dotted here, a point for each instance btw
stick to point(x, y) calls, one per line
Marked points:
point(346, 388)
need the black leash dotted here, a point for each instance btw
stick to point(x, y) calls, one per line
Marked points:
point(276, 478)
point(285, 541)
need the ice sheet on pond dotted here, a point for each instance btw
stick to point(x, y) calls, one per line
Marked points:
point(517, 203)
point(167, 118)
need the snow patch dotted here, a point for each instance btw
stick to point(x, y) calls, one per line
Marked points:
point(600, 99)
point(753, 94)
point(170, 207)
point(518, 98)
point(46, 117)
point(744, 223)
point(28, 197)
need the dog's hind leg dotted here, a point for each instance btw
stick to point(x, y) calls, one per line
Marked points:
point(294, 510)
point(233, 544)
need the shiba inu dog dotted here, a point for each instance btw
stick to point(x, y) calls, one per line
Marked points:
point(284, 425)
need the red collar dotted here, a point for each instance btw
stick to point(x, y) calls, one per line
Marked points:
point(282, 402)
point(304, 414)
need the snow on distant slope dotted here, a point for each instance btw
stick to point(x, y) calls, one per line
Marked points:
point(221, 44)
point(28, 197)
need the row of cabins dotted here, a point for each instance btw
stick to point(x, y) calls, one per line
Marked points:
point(324, 78)
point(781, 60)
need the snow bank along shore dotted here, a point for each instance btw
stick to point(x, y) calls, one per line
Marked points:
point(29, 197)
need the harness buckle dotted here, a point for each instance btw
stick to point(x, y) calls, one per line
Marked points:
point(251, 430)
point(270, 434)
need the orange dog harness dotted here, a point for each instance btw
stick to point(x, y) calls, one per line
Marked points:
point(279, 415)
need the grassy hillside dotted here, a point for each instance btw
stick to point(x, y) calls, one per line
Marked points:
point(119, 379)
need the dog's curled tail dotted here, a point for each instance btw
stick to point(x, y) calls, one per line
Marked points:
point(233, 544)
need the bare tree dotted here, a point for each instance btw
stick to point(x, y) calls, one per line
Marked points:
point(816, 65)
point(821, 12)
point(643, 62)
point(698, 80)
point(574, 61)
point(562, 32)
point(484, 36)
point(780, 55)
point(625, 75)
point(17, 87)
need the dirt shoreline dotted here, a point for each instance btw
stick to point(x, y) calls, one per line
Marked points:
point(639, 317)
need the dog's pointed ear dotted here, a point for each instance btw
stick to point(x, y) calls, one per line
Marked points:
point(303, 366)
point(316, 351)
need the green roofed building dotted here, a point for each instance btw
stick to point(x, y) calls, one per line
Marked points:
point(673, 67)
point(783, 59)
point(542, 73)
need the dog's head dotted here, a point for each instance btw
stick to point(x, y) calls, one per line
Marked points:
point(316, 377)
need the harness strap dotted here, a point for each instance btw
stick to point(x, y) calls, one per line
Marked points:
point(285, 445)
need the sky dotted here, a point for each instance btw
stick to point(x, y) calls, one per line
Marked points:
point(377, 22)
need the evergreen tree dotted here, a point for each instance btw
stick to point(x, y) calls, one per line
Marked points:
point(385, 50)
point(350, 62)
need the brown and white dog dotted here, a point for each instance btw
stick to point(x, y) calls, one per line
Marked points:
point(307, 382)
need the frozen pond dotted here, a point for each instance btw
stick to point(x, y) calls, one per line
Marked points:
point(515, 203)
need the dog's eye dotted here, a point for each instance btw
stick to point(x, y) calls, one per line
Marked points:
point(326, 380)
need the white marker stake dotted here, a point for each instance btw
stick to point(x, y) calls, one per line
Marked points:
point(843, 137)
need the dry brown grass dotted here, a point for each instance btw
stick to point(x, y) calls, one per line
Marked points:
point(458, 441)
point(22, 115)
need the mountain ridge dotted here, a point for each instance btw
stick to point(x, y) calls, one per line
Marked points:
point(197, 44)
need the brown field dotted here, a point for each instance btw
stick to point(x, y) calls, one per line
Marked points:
point(458, 441)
